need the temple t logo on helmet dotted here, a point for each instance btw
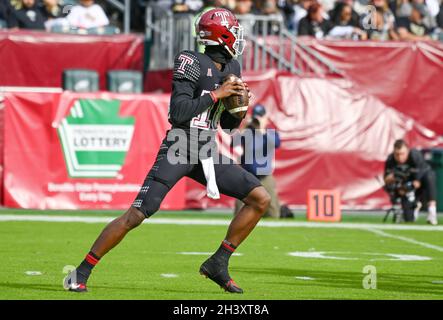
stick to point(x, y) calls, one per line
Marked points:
point(219, 27)
point(223, 15)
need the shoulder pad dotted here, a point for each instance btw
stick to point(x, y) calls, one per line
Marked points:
point(186, 66)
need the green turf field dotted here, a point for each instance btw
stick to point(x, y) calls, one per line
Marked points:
point(328, 261)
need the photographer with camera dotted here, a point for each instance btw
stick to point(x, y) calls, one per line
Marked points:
point(261, 152)
point(409, 178)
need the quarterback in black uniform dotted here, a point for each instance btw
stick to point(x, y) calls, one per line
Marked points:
point(195, 108)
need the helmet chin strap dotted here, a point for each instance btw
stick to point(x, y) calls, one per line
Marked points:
point(229, 51)
point(218, 54)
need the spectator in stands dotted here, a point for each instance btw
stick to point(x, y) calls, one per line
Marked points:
point(346, 22)
point(300, 10)
point(243, 7)
point(51, 9)
point(361, 6)
point(400, 8)
point(28, 17)
point(440, 17)
point(87, 15)
point(179, 6)
point(383, 7)
point(413, 28)
point(194, 5)
point(55, 15)
point(287, 8)
point(138, 13)
point(382, 25)
point(5, 9)
point(340, 10)
point(17, 4)
point(315, 24)
point(327, 5)
point(186, 5)
point(268, 8)
point(229, 4)
point(430, 10)
point(432, 6)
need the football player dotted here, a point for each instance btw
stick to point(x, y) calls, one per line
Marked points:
point(195, 107)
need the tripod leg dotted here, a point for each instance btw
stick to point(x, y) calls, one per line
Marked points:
point(387, 214)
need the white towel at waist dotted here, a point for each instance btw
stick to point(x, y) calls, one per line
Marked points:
point(211, 183)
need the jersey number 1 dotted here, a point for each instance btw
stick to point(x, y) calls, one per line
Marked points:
point(202, 121)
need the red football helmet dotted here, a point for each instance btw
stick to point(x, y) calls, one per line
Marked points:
point(220, 27)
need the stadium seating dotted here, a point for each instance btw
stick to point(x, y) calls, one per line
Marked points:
point(107, 30)
point(124, 81)
point(80, 80)
point(70, 2)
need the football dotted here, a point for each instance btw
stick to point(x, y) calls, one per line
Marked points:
point(236, 105)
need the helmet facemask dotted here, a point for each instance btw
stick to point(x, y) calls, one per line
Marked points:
point(240, 43)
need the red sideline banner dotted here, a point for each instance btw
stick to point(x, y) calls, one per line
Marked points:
point(82, 151)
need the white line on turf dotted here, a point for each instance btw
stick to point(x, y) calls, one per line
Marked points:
point(195, 253)
point(345, 255)
point(304, 278)
point(169, 275)
point(220, 222)
point(406, 239)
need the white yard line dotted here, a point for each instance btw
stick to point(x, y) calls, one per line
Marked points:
point(406, 239)
point(222, 222)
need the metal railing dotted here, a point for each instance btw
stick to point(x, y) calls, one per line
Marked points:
point(270, 44)
point(125, 7)
point(167, 34)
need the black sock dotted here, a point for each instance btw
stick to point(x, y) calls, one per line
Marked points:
point(85, 268)
point(224, 252)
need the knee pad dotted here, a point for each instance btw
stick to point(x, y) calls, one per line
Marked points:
point(150, 206)
point(150, 196)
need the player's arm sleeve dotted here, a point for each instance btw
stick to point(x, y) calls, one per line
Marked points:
point(183, 106)
point(228, 121)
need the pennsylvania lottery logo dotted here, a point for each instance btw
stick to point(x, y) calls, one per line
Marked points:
point(95, 139)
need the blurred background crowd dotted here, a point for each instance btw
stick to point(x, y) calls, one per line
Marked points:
point(343, 19)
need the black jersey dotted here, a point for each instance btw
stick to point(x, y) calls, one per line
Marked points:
point(191, 106)
point(415, 164)
point(192, 110)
